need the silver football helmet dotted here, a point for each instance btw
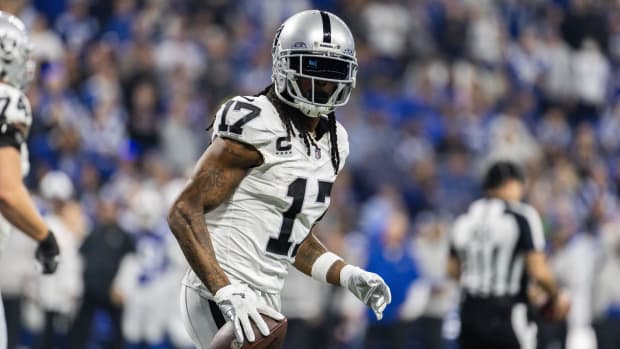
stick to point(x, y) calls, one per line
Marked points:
point(16, 67)
point(318, 46)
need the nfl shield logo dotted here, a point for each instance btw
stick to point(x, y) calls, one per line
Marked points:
point(317, 153)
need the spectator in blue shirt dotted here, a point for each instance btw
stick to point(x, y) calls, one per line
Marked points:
point(389, 255)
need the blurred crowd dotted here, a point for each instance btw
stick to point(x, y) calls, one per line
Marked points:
point(125, 90)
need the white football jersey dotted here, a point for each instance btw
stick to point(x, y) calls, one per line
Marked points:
point(14, 110)
point(257, 232)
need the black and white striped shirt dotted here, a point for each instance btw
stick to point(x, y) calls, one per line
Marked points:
point(491, 240)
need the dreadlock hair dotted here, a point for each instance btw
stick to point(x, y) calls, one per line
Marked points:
point(291, 116)
point(333, 140)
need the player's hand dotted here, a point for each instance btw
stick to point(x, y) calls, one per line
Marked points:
point(367, 287)
point(557, 308)
point(47, 253)
point(240, 305)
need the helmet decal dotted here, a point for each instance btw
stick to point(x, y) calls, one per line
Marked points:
point(327, 28)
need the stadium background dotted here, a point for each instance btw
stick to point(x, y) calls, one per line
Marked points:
point(125, 89)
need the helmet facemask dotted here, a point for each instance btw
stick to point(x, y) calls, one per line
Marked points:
point(316, 67)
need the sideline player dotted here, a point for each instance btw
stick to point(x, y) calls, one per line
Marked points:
point(16, 207)
point(265, 180)
point(496, 248)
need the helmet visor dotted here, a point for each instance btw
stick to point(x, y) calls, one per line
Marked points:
point(307, 70)
point(321, 67)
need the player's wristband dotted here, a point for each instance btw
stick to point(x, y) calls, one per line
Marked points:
point(322, 264)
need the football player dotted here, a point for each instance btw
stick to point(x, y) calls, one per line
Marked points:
point(16, 207)
point(264, 181)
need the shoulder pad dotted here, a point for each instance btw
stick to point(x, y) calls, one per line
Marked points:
point(243, 119)
point(247, 120)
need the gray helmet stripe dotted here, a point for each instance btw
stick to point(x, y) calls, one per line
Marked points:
point(327, 27)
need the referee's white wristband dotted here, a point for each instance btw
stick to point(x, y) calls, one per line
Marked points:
point(322, 264)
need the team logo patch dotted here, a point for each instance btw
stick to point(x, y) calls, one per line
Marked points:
point(317, 153)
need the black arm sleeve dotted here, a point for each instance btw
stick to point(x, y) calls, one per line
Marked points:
point(10, 137)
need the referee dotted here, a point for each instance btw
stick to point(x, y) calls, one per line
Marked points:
point(496, 249)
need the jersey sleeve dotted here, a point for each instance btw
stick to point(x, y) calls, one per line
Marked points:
point(244, 121)
point(531, 236)
point(536, 228)
point(452, 236)
point(11, 137)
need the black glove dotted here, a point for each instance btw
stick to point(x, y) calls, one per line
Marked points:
point(47, 254)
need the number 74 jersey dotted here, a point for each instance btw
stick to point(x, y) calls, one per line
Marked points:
point(257, 232)
point(15, 112)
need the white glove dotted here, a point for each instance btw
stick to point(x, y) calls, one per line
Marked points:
point(367, 287)
point(239, 304)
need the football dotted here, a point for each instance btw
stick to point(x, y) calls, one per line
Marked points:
point(225, 338)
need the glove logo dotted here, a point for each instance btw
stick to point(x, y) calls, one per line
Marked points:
point(242, 295)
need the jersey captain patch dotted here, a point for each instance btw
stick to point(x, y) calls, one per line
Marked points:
point(284, 146)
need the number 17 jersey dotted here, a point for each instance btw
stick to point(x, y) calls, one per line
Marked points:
point(257, 231)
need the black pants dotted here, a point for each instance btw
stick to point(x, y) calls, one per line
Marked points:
point(393, 336)
point(607, 333)
point(487, 323)
point(427, 331)
point(301, 334)
point(54, 332)
point(79, 334)
point(13, 315)
point(553, 335)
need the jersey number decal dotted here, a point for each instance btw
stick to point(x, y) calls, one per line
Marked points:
point(236, 128)
point(21, 106)
point(296, 190)
point(4, 105)
point(481, 259)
